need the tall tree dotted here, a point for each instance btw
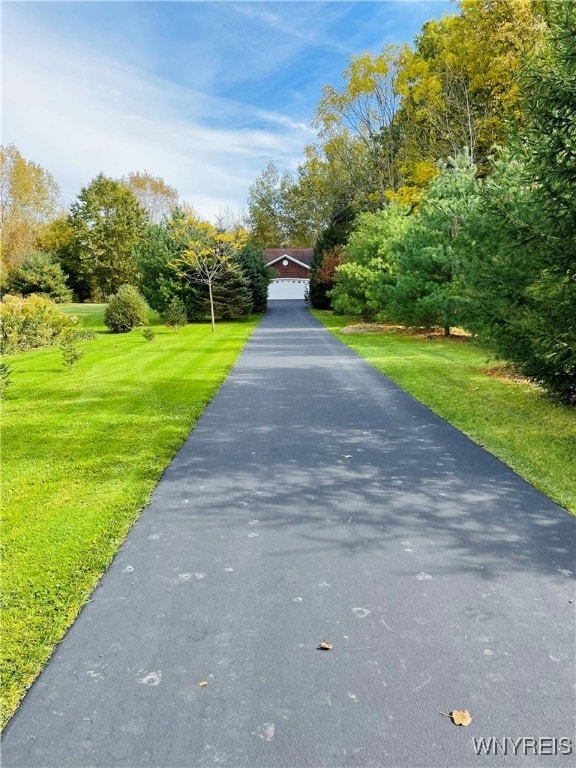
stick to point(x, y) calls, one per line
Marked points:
point(268, 208)
point(361, 119)
point(523, 275)
point(107, 225)
point(29, 198)
point(459, 85)
point(155, 196)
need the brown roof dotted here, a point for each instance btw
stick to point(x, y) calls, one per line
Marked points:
point(301, 254)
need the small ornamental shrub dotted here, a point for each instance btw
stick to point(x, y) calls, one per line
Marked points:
point(175, 314)
point(125, 310)
point(71, 352)
point(6, 372)
point(34, 321)
point(148, 333)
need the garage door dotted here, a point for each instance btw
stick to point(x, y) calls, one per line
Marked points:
point(286, 288)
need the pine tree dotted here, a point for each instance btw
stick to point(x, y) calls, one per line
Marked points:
point(251, 262)
point(232, 295)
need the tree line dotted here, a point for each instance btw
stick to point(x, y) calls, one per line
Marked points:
point(131, 231)
point(442, 188)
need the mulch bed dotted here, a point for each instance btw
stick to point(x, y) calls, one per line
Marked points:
point(432, 334)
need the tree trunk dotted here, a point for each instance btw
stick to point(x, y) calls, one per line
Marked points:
point(446, 330)
point(211, 305)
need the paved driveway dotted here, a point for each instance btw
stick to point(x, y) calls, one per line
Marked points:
point(315, 501)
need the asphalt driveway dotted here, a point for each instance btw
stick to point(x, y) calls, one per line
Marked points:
point(315, 501)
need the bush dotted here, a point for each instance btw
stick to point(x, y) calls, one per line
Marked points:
point(148, 333)
point(125, 309)
point(40, 273)
point(175, 314)
point(31, 322)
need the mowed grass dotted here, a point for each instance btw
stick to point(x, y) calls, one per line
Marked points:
point(82, 451)
point(512, 419)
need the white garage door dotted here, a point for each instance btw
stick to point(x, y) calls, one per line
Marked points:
point(286, 288)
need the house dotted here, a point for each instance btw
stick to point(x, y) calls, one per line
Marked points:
point(292, 267)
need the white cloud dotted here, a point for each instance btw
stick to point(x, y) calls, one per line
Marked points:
point(78, 113)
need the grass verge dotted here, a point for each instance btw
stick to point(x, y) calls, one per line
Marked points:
point(456, 380)
point(82, 451)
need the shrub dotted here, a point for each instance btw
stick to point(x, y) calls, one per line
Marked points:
point(148, 333)
point(125, 309)
point(31, 322)
point(175, 314)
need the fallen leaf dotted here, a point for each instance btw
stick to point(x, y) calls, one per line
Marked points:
point(202, 683)
point(325, 647)
point(459, 716)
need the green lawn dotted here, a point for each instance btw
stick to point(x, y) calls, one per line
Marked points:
point(82, 451)
point(513, 420)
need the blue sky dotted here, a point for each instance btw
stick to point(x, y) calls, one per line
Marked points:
point(204, 94)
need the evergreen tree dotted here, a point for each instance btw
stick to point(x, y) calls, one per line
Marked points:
point(232, 295)
point(427, 289)
point(251, 262)
point(39, 273)
point(157, 280)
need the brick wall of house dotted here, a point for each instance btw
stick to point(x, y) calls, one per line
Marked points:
point(292, 270)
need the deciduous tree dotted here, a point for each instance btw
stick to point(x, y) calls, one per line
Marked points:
point(29, 198)
point(154, 195)
point(107, 226)
point(361, 118)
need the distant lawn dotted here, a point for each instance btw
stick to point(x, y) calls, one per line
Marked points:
point(512, 419)
point(90, 315)
point(82, 451)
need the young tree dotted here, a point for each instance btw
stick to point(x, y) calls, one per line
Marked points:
point(125, 309)
point(207, 256)
point(232, 295)
point(107, 226)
